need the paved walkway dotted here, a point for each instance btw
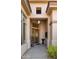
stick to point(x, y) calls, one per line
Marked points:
point(36, 52)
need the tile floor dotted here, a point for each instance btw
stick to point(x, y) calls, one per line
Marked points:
point(36, 52)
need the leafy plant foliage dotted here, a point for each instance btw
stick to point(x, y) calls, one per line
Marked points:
point(52, 51)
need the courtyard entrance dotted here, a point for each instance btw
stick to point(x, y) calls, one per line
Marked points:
point(38, 34)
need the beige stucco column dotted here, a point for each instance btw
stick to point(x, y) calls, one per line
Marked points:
point(28, 32)
point(54, 27)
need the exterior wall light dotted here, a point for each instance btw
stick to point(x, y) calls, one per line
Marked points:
point(38, 22)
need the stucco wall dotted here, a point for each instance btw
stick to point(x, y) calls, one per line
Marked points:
point(42, 5)
point(28, 33)
point(54, 40)
point(54, 15)
point(26, 45)
point(54, 27)
point(42, 30)
point(23, 48)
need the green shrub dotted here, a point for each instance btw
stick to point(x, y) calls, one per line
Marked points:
point(52, 51)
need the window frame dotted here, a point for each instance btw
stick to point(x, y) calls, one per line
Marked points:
point(38, 10)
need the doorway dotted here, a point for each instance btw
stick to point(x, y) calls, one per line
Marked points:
point(35, 33)
point(39, 31)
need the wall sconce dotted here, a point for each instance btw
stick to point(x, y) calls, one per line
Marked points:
point(38, 22)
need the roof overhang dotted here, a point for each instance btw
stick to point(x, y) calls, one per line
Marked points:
point(52, 5)
point(25, 6)
point(38, 1)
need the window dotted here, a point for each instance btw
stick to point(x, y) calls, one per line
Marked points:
point(23, 34)
point(38, 10)
point(23, 28)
